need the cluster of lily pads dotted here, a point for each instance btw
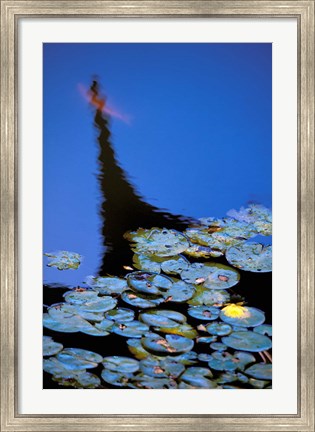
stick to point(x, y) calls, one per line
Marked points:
point(215, 344)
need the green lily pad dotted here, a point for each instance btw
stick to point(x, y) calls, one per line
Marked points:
point(247, 341)
point(50, 347)
point(157, 242)
point(204, 296)
point(83, 380)
point(130, 329)
point(162, 318)
point(148, 283)
point(207, 313)
point(187, 359)
point(175, 265)
point(245, 316)
point(264, 329)
point(253, 257)
point(219, 329)
point(182, 329)
point(136, 348)
point(121, 364)
point(260, 371)
point(64, 260)
point(120, 315)
point(217, 241)
point(161, 368)
point(142, 301)
point(77, 359)
point(170, 345)
point(107, 285)
point(180, 292)
point(224, 361)
point(196, 377)
point(211, 275)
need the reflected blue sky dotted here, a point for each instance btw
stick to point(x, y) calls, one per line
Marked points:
point(198, 142)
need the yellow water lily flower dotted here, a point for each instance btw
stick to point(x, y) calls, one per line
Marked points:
point(235, 310)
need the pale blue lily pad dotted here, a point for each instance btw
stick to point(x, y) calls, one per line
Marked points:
point(150, 264)
point(77, 358)
point(130, 329)
point(253, 257)
point(121, 364)
point(107, 285)
point(258, 384)
point(207, 313)
point(218, 346)
point(204, 296)
point(260, 371)
point(157, 242)
point(219, 329)
point(162, 318)
point(148, 382)
point(142, 301)
point(179, 292)
point(264, 329)
point(116, 378)
point(50, 347)
point(247, 341)
point(211, 275)
point(248, 317)
point(224, 361)
point(120, 315)
point(175, 265)
point(170, 345)
point(64, 260)
point(198, 377)
point(161, 368)
point(148, 283)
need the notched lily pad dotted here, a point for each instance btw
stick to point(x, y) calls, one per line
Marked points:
point(175, 265)
point(211, 276)
point(198, 377)
point(157, 242)
point(77, 359)
point(161, 368)
point(204, 296)
point(170, 345)
point(107, 285)
point(130, 329)
point(253, 257)
point(120, 315)
point(247, 341)
point(219, 329)
point(83, 380)
point(225, 361)
point(145, 263)
point(50, 347)
point(162, 318)
point(206, 313)
point(148, 283)
point(64, 260)
point(179, 292)
point(141, 300)
point(116, 378)
point(264, 329)
point(260, 371)
point(121, 364)
point(242, 316)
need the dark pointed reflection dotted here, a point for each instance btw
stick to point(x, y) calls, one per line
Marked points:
point(123, 208)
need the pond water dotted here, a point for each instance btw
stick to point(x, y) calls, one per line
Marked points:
point(167, 167)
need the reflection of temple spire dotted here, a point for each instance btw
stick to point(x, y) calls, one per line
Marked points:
point(123, 208)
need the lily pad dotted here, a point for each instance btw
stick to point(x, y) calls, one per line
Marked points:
point(199, 251)
point(162, 318)
point(218, 346)
point(187, 359)
point(253, 257)
point(147, 382)
point(161, 368)
point(260, 371)
point(83, 380)
point(105, 326)
point(64, 260)
point(120, 315)
point(55, 367)
point(247, 341)
point(121, 364)
point(259, 384)
point(145, 263)
point(211, 275)
point(204, 296)
point(89, 302)
point(264, 329)
point(148, 283)
point(72, 324)
point(136, 348)
point(182, 329)
point(142, 301)
point(230, 376)
point(157, 242)
point(116, 378)
point(107, 285)
point(170, 345)
point(175, 265)
point(225, 361)
point(50, 347)
point(206, 313)
point(256, 215)
point(80, 296)
point(180, 292)
point(198, 377)
point(219, 329)
point(130, 329)
point(77, 359)
point(242, 316)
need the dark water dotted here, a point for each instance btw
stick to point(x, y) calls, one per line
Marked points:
point(121, 209)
